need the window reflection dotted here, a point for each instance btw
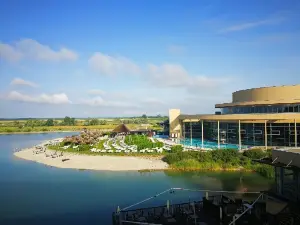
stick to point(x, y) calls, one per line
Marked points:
point(290, 108)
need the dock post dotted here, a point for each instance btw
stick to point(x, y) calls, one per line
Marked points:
point(202, 134)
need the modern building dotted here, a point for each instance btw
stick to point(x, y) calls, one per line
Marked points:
point(266, 116)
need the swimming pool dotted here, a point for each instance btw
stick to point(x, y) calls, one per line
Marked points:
point(198, 143)
point(208, 144)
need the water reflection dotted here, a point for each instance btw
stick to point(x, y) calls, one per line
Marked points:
point(32, 193)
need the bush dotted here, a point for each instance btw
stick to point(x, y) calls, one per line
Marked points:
point(265, 170)
point(84, 148)
point(176, 148)
point(27, 129)
point(256, 153)
point(142, 142)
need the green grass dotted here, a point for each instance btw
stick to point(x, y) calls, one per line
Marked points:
point(219, 160)
point(107, 127)
point(226, 159)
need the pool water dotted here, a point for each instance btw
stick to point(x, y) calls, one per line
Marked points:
point(208, 144)
point(198, 143)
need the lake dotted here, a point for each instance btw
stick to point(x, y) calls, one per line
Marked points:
point(32, 193)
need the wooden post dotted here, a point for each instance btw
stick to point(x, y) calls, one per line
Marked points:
point(240, 136)
point(202, 134)
point(266, 136)
point(218, 134)
point(296, 133)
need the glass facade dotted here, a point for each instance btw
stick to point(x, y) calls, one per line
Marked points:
point(289, 108)
point(278, 134)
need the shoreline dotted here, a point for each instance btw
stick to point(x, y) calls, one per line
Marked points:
point(106, 162)
point(92, 162)
point(40, 132)
point(87, 162)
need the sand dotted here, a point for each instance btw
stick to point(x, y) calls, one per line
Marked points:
point(80, 161)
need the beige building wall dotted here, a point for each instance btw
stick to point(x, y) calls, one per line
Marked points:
point(175, 123)
point(265, 96)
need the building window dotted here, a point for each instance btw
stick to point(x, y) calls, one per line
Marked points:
point(257, 131)
point(275, 132)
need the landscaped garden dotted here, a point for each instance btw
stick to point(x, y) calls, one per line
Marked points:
point(140, 145)
point(225, 159)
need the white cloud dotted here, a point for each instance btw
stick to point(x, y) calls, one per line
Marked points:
point(19, 81)
point(61, 98)
point(176, 49)
point(249, 25)
point(110, 65)
point(176, 76)
point(9, 53)
point(31, 49)
point(96, 92)
point(153, 101)
point(99, 101)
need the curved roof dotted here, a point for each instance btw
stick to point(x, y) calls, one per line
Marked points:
point(264, 96)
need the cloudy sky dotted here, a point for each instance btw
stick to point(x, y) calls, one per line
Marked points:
point(125, 58)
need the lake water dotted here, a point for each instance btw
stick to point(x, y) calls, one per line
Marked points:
point(32, 193)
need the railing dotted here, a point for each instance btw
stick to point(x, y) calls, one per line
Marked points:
point(119, 219)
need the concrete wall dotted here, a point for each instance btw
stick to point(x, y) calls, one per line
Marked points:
point(175, 123)
point(267, 94)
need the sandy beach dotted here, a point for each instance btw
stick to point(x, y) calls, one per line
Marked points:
point(80, 161)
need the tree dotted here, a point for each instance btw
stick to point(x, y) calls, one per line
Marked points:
point(69, 121)
point(49, 122)
point(144, 116)
point(102, 122)
point(94, 122)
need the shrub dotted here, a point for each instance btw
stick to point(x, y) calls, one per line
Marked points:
point(141, 141)
point(27, 129)
point(255, 153)
point(204, 157)
point(176, 148)
point(266, 171)
point(84, 147)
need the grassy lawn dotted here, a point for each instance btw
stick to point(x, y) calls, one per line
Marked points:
point(106, 127)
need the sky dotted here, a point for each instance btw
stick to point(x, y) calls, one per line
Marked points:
point(109, 58)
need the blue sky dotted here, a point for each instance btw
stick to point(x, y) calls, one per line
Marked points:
point(125, 58)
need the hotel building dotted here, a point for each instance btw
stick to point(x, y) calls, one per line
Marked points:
point(266, 116)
